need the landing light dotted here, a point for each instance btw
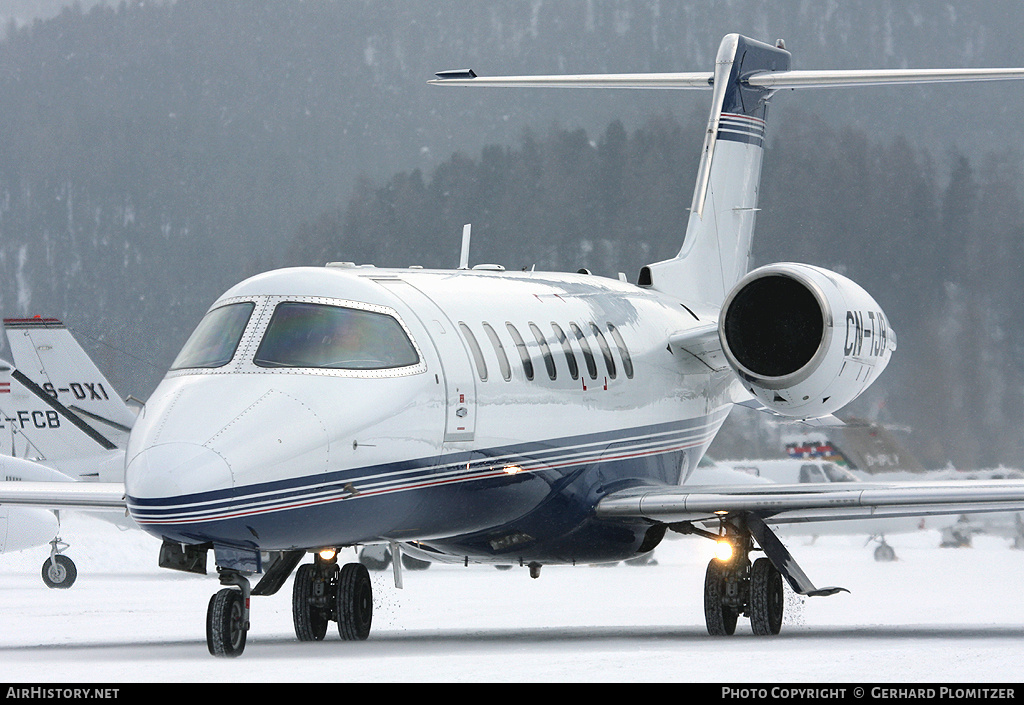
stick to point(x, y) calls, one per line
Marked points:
point(328, 554)
point(723, 551)
point(512, 469)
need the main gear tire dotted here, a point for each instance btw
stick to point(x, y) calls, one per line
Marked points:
point(767, 598)
point(309, 621)
point(719, 617)
point(354, 605)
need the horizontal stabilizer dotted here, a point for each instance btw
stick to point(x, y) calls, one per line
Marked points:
point(462, 77)
point(876, 77)
point(770, 80)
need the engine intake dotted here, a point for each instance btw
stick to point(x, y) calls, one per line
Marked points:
point(774, 326)
point(805, 341)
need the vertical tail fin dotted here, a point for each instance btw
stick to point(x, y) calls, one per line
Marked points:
point(716, 249)
point(46, 352)
point(35, 425)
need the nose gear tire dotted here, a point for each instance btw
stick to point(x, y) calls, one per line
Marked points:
point(225, 623)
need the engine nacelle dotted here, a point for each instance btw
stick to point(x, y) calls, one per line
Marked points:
point(804, 340)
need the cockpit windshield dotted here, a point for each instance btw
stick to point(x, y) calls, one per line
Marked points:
point(334, 337)
point(215, 339)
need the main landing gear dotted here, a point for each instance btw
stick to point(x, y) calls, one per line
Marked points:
point(734, 586)
point(326, 592)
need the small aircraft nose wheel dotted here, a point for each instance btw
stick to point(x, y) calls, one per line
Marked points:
point(884, 553)
point(59, 571)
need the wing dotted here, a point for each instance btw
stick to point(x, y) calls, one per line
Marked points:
point(781, 504)
point(94, 496)
point(749, 509)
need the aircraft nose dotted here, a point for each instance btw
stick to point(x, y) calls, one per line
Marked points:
point(176, 468)
point(203, 436)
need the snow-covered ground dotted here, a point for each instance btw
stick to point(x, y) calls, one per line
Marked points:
point(935, 615)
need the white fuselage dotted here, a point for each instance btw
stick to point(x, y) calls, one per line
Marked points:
point(488, 431)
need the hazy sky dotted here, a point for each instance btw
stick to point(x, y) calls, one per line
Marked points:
point(27, 10)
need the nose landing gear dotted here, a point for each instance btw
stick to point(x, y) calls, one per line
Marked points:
point(227, 616)
point(322, 592)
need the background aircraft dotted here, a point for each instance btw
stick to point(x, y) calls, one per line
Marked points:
point(871, 452)
point(822, 470)
point(61, 421)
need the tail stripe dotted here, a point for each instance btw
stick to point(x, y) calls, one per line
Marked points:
point(740, 128)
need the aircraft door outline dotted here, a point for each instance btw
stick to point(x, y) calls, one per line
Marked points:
point(456, 366)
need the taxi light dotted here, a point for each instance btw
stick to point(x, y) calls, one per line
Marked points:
point(328, 554)
point(723, 551)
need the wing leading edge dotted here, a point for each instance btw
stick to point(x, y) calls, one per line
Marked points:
point(780, 504)
point(64, 495)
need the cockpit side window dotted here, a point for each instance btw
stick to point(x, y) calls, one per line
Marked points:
point(834, 473)
point(334, 337)
point(215, 339)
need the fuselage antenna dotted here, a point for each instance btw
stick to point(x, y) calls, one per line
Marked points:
point(464, 256)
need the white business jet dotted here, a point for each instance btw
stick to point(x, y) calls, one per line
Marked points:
point(516, 418)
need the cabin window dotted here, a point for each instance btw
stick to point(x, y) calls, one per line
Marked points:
point(811, 473)
point(588, 356)
point(334, 337)
point(570, 356)
point(474, 348)
point(545, 351)
point(606, 351)
point(499, 350)
point(627, 361)
point(524, 354)
point(215, 339)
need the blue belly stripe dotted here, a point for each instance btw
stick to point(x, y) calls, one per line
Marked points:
point(563, 455)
